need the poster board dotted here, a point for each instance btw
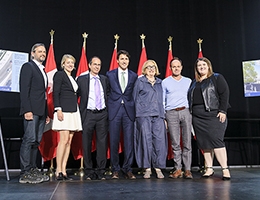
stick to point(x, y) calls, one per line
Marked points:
point(10, 66)
point(251, 77)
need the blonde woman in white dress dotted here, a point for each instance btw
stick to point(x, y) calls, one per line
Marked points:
point(66, 118)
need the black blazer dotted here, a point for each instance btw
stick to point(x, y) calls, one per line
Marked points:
point(83, 83)
point(32, 90)
point(64, 95)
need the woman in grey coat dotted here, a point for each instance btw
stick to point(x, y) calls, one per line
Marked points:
point(150, 133)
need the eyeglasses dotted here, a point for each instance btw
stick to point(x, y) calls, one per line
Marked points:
point(150, 67)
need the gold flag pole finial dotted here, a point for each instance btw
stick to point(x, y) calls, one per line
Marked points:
point(52, 33)
point(170, 38)
point(85, 36)
point(116, 37)
point(199, 41)
point(142, 38)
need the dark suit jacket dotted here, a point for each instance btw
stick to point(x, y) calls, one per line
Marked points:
point(83, 83)
point(116, 96)
point(32, 90)
point(64, 95)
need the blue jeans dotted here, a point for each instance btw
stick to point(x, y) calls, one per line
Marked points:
point(33, 130)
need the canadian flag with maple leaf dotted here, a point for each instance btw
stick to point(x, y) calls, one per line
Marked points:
point(50, 138)
point(76, 144)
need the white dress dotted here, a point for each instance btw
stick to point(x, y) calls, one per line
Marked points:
point(71, 120)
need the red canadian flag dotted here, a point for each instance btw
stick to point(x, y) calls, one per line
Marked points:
point(143, 58)
point(50, 138)
point(113, 63)
point(200, 55)
point(76, 144)
point(83, 64)
point(168, 71)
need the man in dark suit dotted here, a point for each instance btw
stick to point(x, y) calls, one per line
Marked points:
point(33, 84)
point(121, 114)
point(93, 89)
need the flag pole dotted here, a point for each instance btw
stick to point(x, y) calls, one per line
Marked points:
point(116, 37)
point(143, 56)
point(199, 41)
point(202, 168)
point(51, 171)
point(51, 34)
point(170, 42)
point(81, 172)
point(142, 38)
point(85, 36)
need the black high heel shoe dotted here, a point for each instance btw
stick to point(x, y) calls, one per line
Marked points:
point(208, 175)
point(67, 178)
point(59, 177)
point(225, 178)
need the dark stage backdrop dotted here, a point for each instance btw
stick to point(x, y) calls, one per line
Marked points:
point(230, 31)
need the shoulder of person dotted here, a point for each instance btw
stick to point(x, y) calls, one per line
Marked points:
point(166, 79)
point(30, 64)
point(82, 77)
point(59, 75)
point(111, 71)
point(132, 72)
point(218, 76)
point(158, 80)
point(186, 78)
point(102, 76)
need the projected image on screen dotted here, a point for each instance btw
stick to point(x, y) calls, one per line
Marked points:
point(251, 73)
point(10, 66)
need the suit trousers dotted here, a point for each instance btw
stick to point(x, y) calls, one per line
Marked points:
point(95, 124)
point(122, 123)
point(179, 125)
point(33, 130)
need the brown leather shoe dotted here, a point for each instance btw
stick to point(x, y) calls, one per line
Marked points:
point(188, 174)
point(115, 175)
point(176, 174)
point(130, 175)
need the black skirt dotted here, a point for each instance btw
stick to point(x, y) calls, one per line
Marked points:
point(208, 129)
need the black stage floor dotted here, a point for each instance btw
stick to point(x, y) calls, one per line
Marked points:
point(244, 185)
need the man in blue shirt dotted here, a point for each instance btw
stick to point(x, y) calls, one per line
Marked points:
point(178, 118)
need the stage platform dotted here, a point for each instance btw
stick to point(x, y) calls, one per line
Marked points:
point(244, 184)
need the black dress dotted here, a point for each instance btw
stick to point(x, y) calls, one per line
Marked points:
point(208, 129)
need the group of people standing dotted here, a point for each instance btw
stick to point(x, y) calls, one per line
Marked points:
point(140, 109)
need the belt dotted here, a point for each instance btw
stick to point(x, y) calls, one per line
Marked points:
point(180, 108)
point(96, 110)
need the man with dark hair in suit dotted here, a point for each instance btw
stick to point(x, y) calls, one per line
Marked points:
point(93, 89)
point(121, 114)
point(33, 84)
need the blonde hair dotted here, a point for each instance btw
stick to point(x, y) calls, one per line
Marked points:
point(145, 65)
point(210, 71)
point(65, 57)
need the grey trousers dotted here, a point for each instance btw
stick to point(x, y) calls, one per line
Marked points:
point(179, 126)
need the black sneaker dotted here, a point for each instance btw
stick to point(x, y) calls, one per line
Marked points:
point(35, 172)
point(27, 177)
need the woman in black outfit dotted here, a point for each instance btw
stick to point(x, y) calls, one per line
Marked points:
point(208, 101)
